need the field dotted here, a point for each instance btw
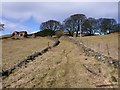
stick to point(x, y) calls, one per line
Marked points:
point(15, 50)
point(105, 44)
point(64, 66)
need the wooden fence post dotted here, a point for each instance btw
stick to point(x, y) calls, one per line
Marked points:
point(108, 52)
point(48, 44)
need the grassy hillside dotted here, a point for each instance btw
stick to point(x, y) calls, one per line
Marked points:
point(15, 50)
point(63, 67)
point(105, 44)
point(5, 36)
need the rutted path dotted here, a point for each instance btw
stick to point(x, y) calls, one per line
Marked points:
point(62, 67)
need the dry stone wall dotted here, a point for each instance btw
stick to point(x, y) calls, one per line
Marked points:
point(88, 51)
point(98, 56)
point(28, 59)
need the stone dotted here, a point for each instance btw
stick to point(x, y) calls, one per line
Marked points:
point(0, 74)
point(30, 57)
point(103, 58)
point(116, 64)
point(114, 79)
point(35, 54)
point(5, 73)
point(44, 50)
point(56, 43)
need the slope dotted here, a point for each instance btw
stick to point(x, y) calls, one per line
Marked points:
point(64, 66)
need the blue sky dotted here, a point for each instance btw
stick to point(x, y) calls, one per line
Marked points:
point(29, 15)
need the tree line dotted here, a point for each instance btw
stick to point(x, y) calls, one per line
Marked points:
point(79, 23)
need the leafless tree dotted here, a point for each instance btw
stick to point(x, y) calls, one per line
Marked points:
point(51, 25)
point(74, 23)
point(1, 26)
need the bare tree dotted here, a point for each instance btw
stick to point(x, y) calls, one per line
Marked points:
point(90, 25)
point(51, 25)
point(1, 26)
point(106, 24)
point(116, 28)
point(74, 23)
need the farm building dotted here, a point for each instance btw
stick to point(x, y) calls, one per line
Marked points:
point(19, 34)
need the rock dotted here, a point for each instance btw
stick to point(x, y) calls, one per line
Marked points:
point(5, 73)
point(13, 68)
point(46, 49)
point(0, 74)
point(110, 60)
point(90, 52)
point(113, 78)
point(103, 58)
point(31, 57)
point(36, 54)
point(98, 56)
point(39, 53)
point(20, 64)
point(56, 43)
point(116, 63)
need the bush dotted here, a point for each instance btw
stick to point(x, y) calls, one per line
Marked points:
point(59, 33)
point(44, 33)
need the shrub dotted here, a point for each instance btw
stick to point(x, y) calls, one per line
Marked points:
point(59, 33)
point(44, 33)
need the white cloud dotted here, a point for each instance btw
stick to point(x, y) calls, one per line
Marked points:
point(60, 0)
point(45, 11)
point(17, 13)
point(12, 26)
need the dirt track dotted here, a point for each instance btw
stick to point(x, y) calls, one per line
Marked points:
point(62, 67)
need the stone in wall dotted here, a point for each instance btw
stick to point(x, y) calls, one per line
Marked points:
point(98, 56)
point(26, 60)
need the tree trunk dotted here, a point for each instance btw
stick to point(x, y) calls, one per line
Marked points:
point(77, 30)
point(76, 33)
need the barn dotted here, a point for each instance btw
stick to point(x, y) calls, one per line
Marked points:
point(20, 34)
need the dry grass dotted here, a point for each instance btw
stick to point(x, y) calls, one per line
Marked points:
point(15, 50)
point(5, 36)
point(105, 44)
point(62, 67)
